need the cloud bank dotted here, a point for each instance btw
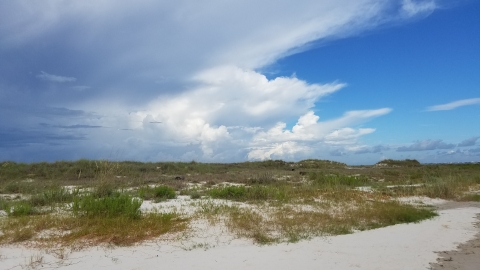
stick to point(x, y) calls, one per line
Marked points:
point(179, 80)
point(468, 142)
point(426, 145)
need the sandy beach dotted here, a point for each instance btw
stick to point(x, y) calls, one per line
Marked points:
point(402, 246)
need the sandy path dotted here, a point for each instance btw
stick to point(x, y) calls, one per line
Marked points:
point(465, 256)
point(403, 246)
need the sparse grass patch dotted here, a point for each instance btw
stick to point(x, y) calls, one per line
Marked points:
point(123, 231)
point(194, 193)
point(249, 224)
point(53, 196)
point(253, 193)
point(231, 193)
point(289, 224)
point(119, 230)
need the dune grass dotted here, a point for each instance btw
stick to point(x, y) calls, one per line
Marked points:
point(68, 230)
point(159, 193)
point(338, 212)
point(271, 202)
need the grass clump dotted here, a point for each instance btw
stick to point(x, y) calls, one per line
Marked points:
point(121, 205)
point(381, 214)
point(19, 208)
point(159, 193)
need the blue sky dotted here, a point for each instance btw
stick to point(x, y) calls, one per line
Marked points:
point(355, 81)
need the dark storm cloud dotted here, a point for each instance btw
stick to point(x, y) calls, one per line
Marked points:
point(18, 137)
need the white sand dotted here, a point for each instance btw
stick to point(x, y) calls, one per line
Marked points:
point(403, 246)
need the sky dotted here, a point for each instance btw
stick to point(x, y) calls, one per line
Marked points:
point(355, 81)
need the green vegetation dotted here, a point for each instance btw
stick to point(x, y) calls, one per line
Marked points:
point(337, 180)
point(68, 230)
point(107, 207)
point(271, 224)
point(400, 163)
point(159, 193)
point(92, 202)
point(252, 193)
point(19, 208)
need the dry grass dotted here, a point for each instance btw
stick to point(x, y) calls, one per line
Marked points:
point(121, 230)
point(332, 213)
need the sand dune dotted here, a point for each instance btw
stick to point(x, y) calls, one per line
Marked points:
point(403, 246)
